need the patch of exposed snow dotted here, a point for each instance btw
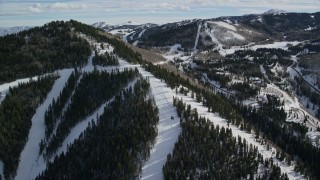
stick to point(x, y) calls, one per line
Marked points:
point(174, 49)
point(276, 45)
point(310, 28)
point(3, 94)
point(275, 12)
point(314, 136)
point(212, 36)
point(121, 31)
point(224, 24)
point(142, 32)
point(135, 43)
point(228, 21)
point(197, 37)
point(30, 164)
point(6, 86)
point(237, 36)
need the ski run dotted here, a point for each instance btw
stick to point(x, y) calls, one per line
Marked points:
point(31, 163)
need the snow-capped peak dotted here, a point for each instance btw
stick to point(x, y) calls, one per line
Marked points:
point(101, 24)
point(275, 11)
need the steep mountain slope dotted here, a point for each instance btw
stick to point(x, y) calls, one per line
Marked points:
point(288, 26)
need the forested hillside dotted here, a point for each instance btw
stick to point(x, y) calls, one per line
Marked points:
point(206, 151)
point(94, 89)
point(16, 112)
point(41, 50)
point(106, 90)
point(269, 120)
point(115, 146)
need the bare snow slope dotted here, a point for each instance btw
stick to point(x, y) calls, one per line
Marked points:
point(168, 128)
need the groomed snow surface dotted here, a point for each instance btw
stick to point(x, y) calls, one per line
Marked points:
point(168, 128)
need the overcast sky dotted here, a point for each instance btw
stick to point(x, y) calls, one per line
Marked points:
point(38, 12)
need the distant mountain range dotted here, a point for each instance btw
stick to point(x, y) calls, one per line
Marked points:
point(10, 30)
point(276, 25)
point(275, 11)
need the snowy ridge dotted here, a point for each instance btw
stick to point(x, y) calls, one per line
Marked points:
point(275, 11)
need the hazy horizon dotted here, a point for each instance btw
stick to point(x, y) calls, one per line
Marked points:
point(39, 12)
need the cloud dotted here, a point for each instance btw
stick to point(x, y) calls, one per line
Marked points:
point(157, 6)
point(184, 8)
point(36, 8)
point(67, 6)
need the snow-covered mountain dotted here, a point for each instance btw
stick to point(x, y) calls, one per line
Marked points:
point(127, 25)
point(275, 24)
point(275, 11)
point(11, 30)
point(239, 52)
